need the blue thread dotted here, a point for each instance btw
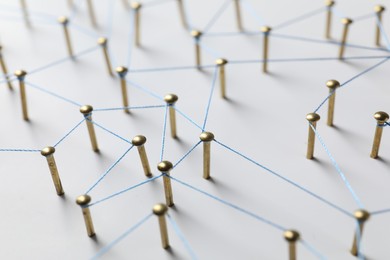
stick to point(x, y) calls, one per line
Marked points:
point(125, 234)
point(308, 59)
point(311, 249)
point(170, 69)
point(130, 38)
point(185, 156)
point(125, 190)
point(63, 60)
point(365, 71)
point(299, 18)
point(299, 38)
point(122, 108)
point(346, 182)
point(164, 132)
point(210, 96)
point(286, 179)
point(188, 118)
point(83, 30)
point(226, 34)
point(383, 33)
point(110, 18)
point(155, 3)
point(363, 17)
point(218, 14)
point(19, 150)
point(382, 211)
point(182, 238)
point(71, 131)
point(338, 13)
point(53, 94)
point(251, 10)
point(109, 170)
point(146, 90)
point(246, 212)
point(209, 50)
point(105, 129)
point(353, 78)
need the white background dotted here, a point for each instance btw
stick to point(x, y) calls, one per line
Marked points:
point(263, 118)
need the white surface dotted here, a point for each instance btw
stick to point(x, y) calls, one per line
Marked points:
point(264, 118)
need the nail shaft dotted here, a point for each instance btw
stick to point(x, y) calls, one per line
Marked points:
point(381, 118)
point(137, 20)
point(4, 69)
point(346, 23)
point(361, 217)
point(20, 74)
point(292, 236)
point(165, 167)
point(25, 13)
point(139, 141)
point(83, 201)
point(332, 85)
point(266, 31)
point(104, 43)
point(122, 72)
point(238, 14)
point(182, 13)
point(160, 211)
point(379, 11)
point(64, 21)
point(91, 12)
point(329, 4)
point(206, 138)
point(48, 152)
point(222, 78)
point(312, 118)
point(171, 100)
point(87, 112)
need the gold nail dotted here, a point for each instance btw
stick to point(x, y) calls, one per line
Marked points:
point(221, 64)
point(165, 167)
point(83, 202)
point(332, 85)
point(312, 118)
point(139, 141)
point(21, 74)
point(126, 4)
point(4, 68)
point(160, 210)
point(182, 14)
point(104, 42)
point(346, 22)
point(381, 118)
point(171, 101)
point(206, 138)
point(292, 237)
point(91, 12)
point(137, 8)
point(25, 13)
point(48, 152)
point(197, 34)
point(238, 14)
point(378, 10)
point(122, 72)
point(266, 30)
point(64, 21)
point(361, 216)
point(87, 112)
point(329, 5)
point(70, 3)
